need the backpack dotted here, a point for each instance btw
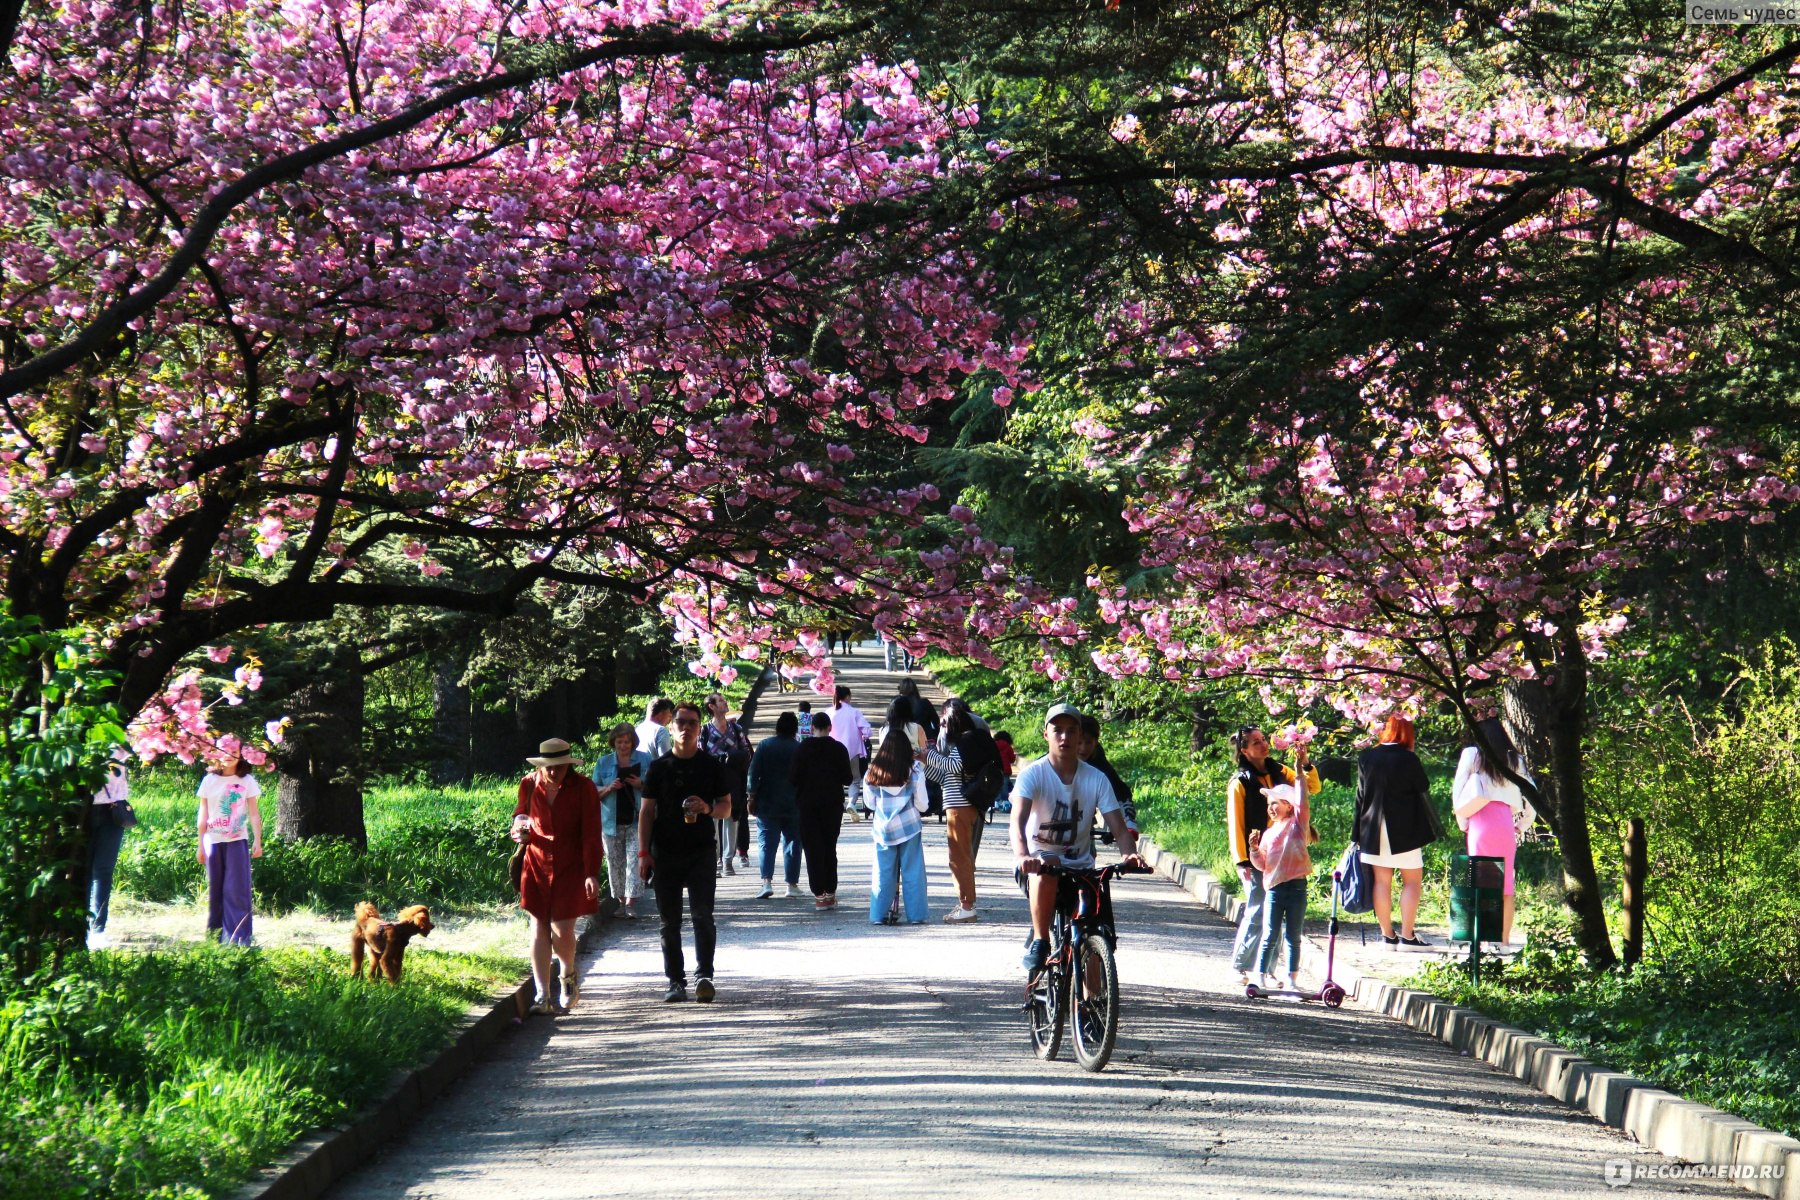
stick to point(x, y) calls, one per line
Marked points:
point(983, 788)
point(1356, 882)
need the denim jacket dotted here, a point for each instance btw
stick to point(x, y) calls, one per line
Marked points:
point(605, 772)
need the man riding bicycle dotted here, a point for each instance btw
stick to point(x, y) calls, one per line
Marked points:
point(1054, 802)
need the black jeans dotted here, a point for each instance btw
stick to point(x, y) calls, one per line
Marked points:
point(695, 873)
point(819, 829)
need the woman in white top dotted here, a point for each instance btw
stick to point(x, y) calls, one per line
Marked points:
point(895, 789)
point(1490, 807)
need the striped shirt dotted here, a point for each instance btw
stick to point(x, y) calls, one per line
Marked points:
point(946, 769)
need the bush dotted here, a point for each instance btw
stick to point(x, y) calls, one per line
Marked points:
point(176, 1074)
point(1719, 792)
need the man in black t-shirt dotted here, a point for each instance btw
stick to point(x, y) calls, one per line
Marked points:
point(684, 792)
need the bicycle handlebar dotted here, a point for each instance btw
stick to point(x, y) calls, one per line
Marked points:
point(1050, 865)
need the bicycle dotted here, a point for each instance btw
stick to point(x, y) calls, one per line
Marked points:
point(1080, 964)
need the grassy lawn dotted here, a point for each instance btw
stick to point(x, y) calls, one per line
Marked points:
point(177, 1074)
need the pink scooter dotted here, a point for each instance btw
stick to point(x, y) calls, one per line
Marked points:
point(1329, 991)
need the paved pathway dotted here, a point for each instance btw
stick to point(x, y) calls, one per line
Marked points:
point(848, 1060)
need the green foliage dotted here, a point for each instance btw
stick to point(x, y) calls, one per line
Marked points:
point(56, 733)
point(1718, 786)
point(175, 1075)
point(446, 847)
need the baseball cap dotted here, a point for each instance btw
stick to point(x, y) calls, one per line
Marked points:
point(1061, 710)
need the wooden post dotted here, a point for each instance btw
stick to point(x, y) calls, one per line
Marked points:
point(1636, 872)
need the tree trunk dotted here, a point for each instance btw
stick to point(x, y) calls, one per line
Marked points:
point(320, 791)
point(1549, 725)
point(452, 722)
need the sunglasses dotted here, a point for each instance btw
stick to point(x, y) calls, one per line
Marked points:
point(686, 723)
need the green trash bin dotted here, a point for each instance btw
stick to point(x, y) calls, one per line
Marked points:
point(1477, 888)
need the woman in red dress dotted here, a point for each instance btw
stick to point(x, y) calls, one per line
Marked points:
point(558, 820)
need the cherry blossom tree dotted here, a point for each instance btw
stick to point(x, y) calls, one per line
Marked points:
point(595, 295)
point(1405, 335)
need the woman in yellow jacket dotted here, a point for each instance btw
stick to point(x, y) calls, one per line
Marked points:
point(1246, 809)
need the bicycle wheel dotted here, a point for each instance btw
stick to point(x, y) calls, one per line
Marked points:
point(1096, 999)
point(1046, 1003)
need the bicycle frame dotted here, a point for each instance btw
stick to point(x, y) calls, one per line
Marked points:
point(1060, 991)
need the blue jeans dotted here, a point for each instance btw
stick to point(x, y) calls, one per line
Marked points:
point(786, 832)
point(104, 839)
point(1249, 930)
point(1284, 913)
point(902, 865)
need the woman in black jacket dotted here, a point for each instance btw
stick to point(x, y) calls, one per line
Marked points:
point(1394, 824)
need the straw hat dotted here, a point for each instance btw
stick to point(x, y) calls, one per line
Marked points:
point(551, 753)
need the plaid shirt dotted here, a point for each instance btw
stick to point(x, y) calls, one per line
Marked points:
point(896, 809)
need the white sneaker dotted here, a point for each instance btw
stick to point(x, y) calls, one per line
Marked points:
point(571, 992)
point(791, 892)
point(767, 890)
point(959, 916)
point(97, 939)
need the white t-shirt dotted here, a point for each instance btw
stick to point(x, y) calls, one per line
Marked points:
point(225, 807)
point(1061, 820)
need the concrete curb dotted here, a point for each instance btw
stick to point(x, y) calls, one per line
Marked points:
point(1759, 1159)
point(317, 1161)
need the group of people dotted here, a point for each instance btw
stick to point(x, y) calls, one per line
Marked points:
point(1268, 822)
point(640, 811)
point(661, 806)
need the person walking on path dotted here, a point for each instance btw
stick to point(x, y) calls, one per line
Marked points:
point(685, 792)
point(725, 739)
point(107, 819)
point(1053, 814)
point(1490, 808)
point(1394, 824)
point(820, 773)
point(772, 802)
point(557, 819)
point(231, 830)
point(896, 794)
point(1247, 811)
point(961, 753)
point(653, 730)
point(1279, 852)
point(619, 778)
point(852, 731)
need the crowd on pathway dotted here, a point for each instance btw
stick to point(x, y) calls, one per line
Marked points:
point(667, 808)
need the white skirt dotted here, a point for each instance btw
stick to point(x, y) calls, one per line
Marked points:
point(1409, 860)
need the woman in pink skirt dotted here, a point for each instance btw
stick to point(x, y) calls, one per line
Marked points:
point(1490, 807)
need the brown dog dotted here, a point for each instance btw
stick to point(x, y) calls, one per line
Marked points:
point(385, 940)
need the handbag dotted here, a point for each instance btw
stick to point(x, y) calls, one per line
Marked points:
point(515, 867)
point(123, 815)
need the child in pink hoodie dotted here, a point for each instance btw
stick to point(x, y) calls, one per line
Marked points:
point(1280, 854)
